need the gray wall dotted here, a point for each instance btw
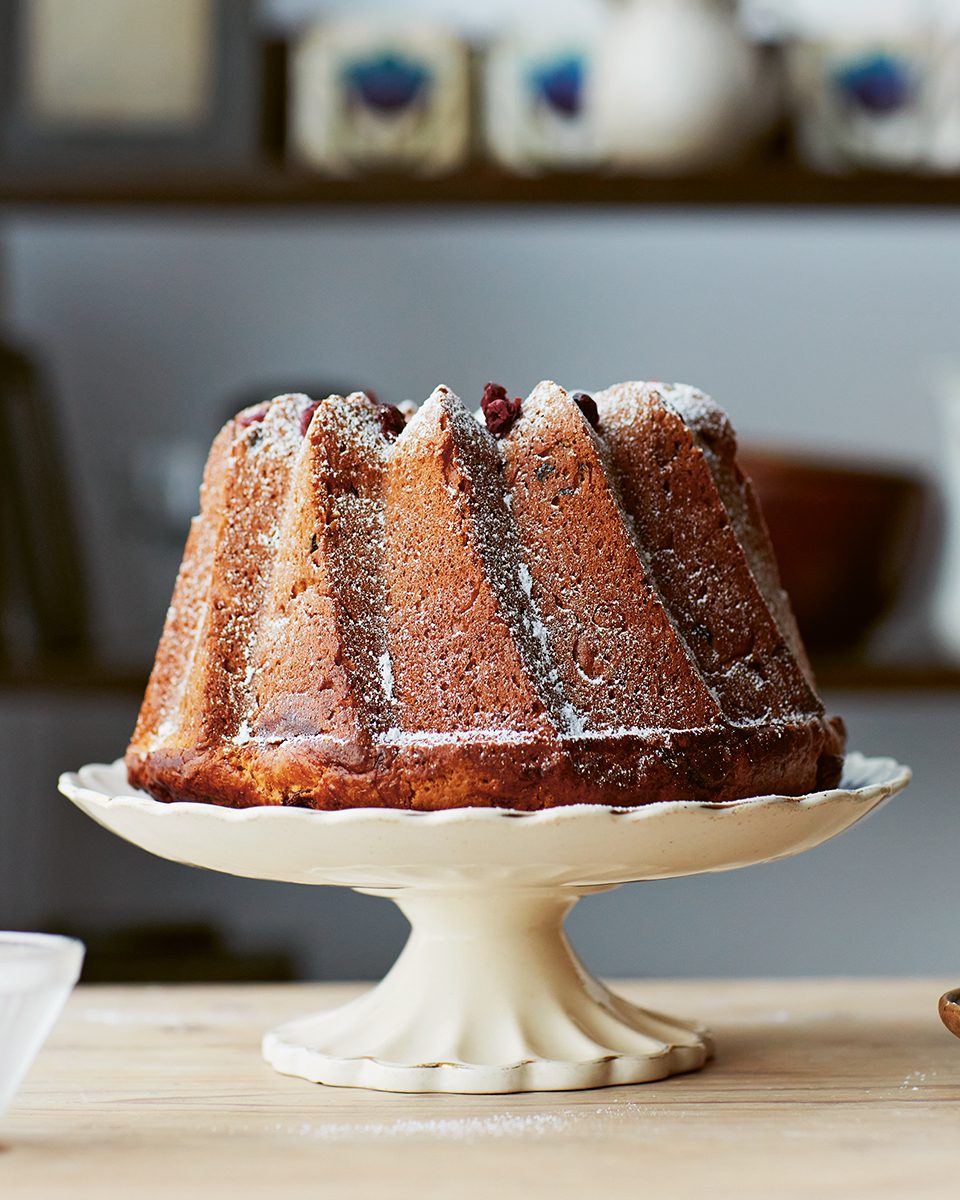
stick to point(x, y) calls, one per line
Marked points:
point(816, 330)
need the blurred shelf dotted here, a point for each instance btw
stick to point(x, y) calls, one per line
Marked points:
point(839, 674)
point(773, 184)
point(64, 674)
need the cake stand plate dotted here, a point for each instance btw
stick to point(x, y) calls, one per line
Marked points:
point(487, 995)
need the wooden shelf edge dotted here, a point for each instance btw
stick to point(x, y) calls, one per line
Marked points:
point(854, 675)
point(73, 676)
point(758, 185)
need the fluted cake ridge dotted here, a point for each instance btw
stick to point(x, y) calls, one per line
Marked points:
point(567, 598)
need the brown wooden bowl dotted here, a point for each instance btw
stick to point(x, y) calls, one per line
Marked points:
point(843, 533)
point(950, 1011)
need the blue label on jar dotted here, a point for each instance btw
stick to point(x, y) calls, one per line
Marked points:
point(388, 82)
point(879, 83)
point(559, 84)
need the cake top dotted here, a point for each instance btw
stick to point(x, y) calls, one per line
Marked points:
point(570, 569)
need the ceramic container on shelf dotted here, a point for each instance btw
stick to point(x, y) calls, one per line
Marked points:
point(876, 86)
point(37, 974)
point(679, 88)
point(368, 96)
point(845, 532)
point(539, 97)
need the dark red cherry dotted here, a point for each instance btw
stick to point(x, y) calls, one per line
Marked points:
point(588, 406)
point(391, 421)
point(307, 416)
point(252, 416)
point(499, 411)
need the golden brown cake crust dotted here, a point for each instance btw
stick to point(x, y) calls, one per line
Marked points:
point(707, 765)
point(582, 609)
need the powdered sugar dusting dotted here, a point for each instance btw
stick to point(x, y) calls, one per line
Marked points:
point(625, 1121)
point(717, 441)
point(271, 449)
point(673, 451)
point(597, 612)
point(386, 674)
point(278, 435)
point(573, 721)
point(324, 620)
point(167, 723)
point(161, 1018)
point(466, 594)
point(165, 729)
point(494, 735)
point(495, 1126)
point(426, 416)
point(353, 419)
point(694, 406)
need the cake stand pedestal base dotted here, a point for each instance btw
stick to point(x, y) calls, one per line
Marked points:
point(487, 996)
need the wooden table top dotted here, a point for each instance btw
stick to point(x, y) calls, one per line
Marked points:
point(841, 1089)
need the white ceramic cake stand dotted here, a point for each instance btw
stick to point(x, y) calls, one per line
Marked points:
point(487, 995)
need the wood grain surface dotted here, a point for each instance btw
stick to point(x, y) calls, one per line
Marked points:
point(841, 1089)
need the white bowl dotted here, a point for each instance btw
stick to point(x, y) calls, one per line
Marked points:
point(37, 974)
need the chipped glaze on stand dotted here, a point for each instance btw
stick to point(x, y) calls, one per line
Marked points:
point(487, 996)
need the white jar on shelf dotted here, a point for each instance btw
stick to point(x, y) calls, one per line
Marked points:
point(679, 87)
point(539, 89)
point(872, 83)
point(367, 95)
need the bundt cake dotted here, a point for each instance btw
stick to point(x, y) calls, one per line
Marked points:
point(569, 599)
